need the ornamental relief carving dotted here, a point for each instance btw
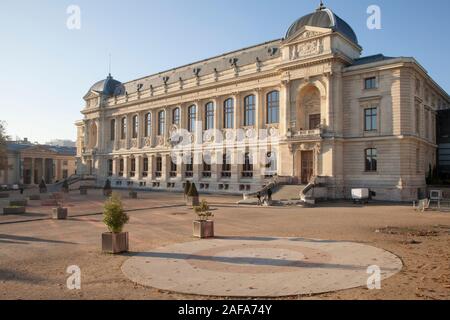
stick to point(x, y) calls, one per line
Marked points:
point(306, 49)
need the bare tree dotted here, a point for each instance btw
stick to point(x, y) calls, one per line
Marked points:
point(3, 155)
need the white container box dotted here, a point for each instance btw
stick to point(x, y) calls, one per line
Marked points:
point(360, 194)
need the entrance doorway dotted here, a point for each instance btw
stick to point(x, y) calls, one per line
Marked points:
point(307, 166)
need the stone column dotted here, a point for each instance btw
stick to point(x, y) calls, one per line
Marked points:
point(33, 176)
point(126, 168)
point(237, 110)
point(128, 131)
point(138, 167)
point(151, 170)
point(165, 168)
point(285, 107)
point(236, 164)
point(218, 111)
point(115, 167)
point(43, 170)
point(259, 114)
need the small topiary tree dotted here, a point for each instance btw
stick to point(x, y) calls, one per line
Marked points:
point(187, 186)
point(193, 191)
point(192, 196)
point(114, 216)
point(65, 186)
point(203, 211)
point(42, 186)
point(107, 190)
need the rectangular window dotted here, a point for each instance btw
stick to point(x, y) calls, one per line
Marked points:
point(247, 168)
point(273, 107)
point(370, 119)
point(371, 160)
point(417, 118)
point(158, 167)
point(145, 167)
point(370, 83)
point(161, 123)
point(427, 124)
point(249, 111)
point(228, 114)
point(132, 167)
point(110, 167)
point(314, 121)
point(226, 166)
point(209, 116)
point(148, 125)
point(173, 169)
point(113, 130)
point(176, 116)
point(135, 127)
point(192, 117)
point(65, 174)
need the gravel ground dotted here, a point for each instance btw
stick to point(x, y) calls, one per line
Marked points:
point(34, 255)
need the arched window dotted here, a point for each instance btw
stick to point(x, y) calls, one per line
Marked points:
point(249, 111)
point(135, 126)
point(371, 156)
point(273, 107)
point(176, 116)
point(123, 128)
point(192, 115)
point(228, 114)
point(148, 124)
point(161, 122)
point(113, 130)
point(209, 116)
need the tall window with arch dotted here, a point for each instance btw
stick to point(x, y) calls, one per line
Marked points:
point(192, 116)
point(148, 124)
point(273, 107)
point(161, 122)
point(228, 114)
point(113, 130)
point(135, 126)
point(249, 111)
point(123, 128)
point(209, 116)
point(176, 116)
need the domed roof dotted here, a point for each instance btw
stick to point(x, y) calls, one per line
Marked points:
point(108, 87)
point(323, 18)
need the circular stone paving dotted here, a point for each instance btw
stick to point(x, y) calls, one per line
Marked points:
point(259, 267)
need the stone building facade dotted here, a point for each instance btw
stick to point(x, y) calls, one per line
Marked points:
point(304, 106)
point(28, 164)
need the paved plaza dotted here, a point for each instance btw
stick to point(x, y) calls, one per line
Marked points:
point(258, 252)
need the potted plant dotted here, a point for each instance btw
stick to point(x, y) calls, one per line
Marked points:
point(14, 210)
point(187, 186)
point(132, 194)
point(192, 196)
point(83, 190)
point(114, 241)
point(35, 197)
point(65, 186)
point(107, 190)
point(42, 187)
point(60, 213)
point(204, 226)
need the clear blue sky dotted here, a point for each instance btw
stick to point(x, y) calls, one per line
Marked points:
point(45, 68)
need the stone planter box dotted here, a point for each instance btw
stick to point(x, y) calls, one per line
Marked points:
point(192, 201)
point(49, 203)
point(60, 213)
point(83, 191)
point(18, 203)
point(133, 195)
point(14, 210)
point(4, 195)
point(115, 242)
point(203, 229)
point(35, 197)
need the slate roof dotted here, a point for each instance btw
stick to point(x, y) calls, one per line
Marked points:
point(371, 59)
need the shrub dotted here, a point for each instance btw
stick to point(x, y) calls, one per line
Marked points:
point(203, 211)
point(113, 214)
point(187, 186)
point(193, 191)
